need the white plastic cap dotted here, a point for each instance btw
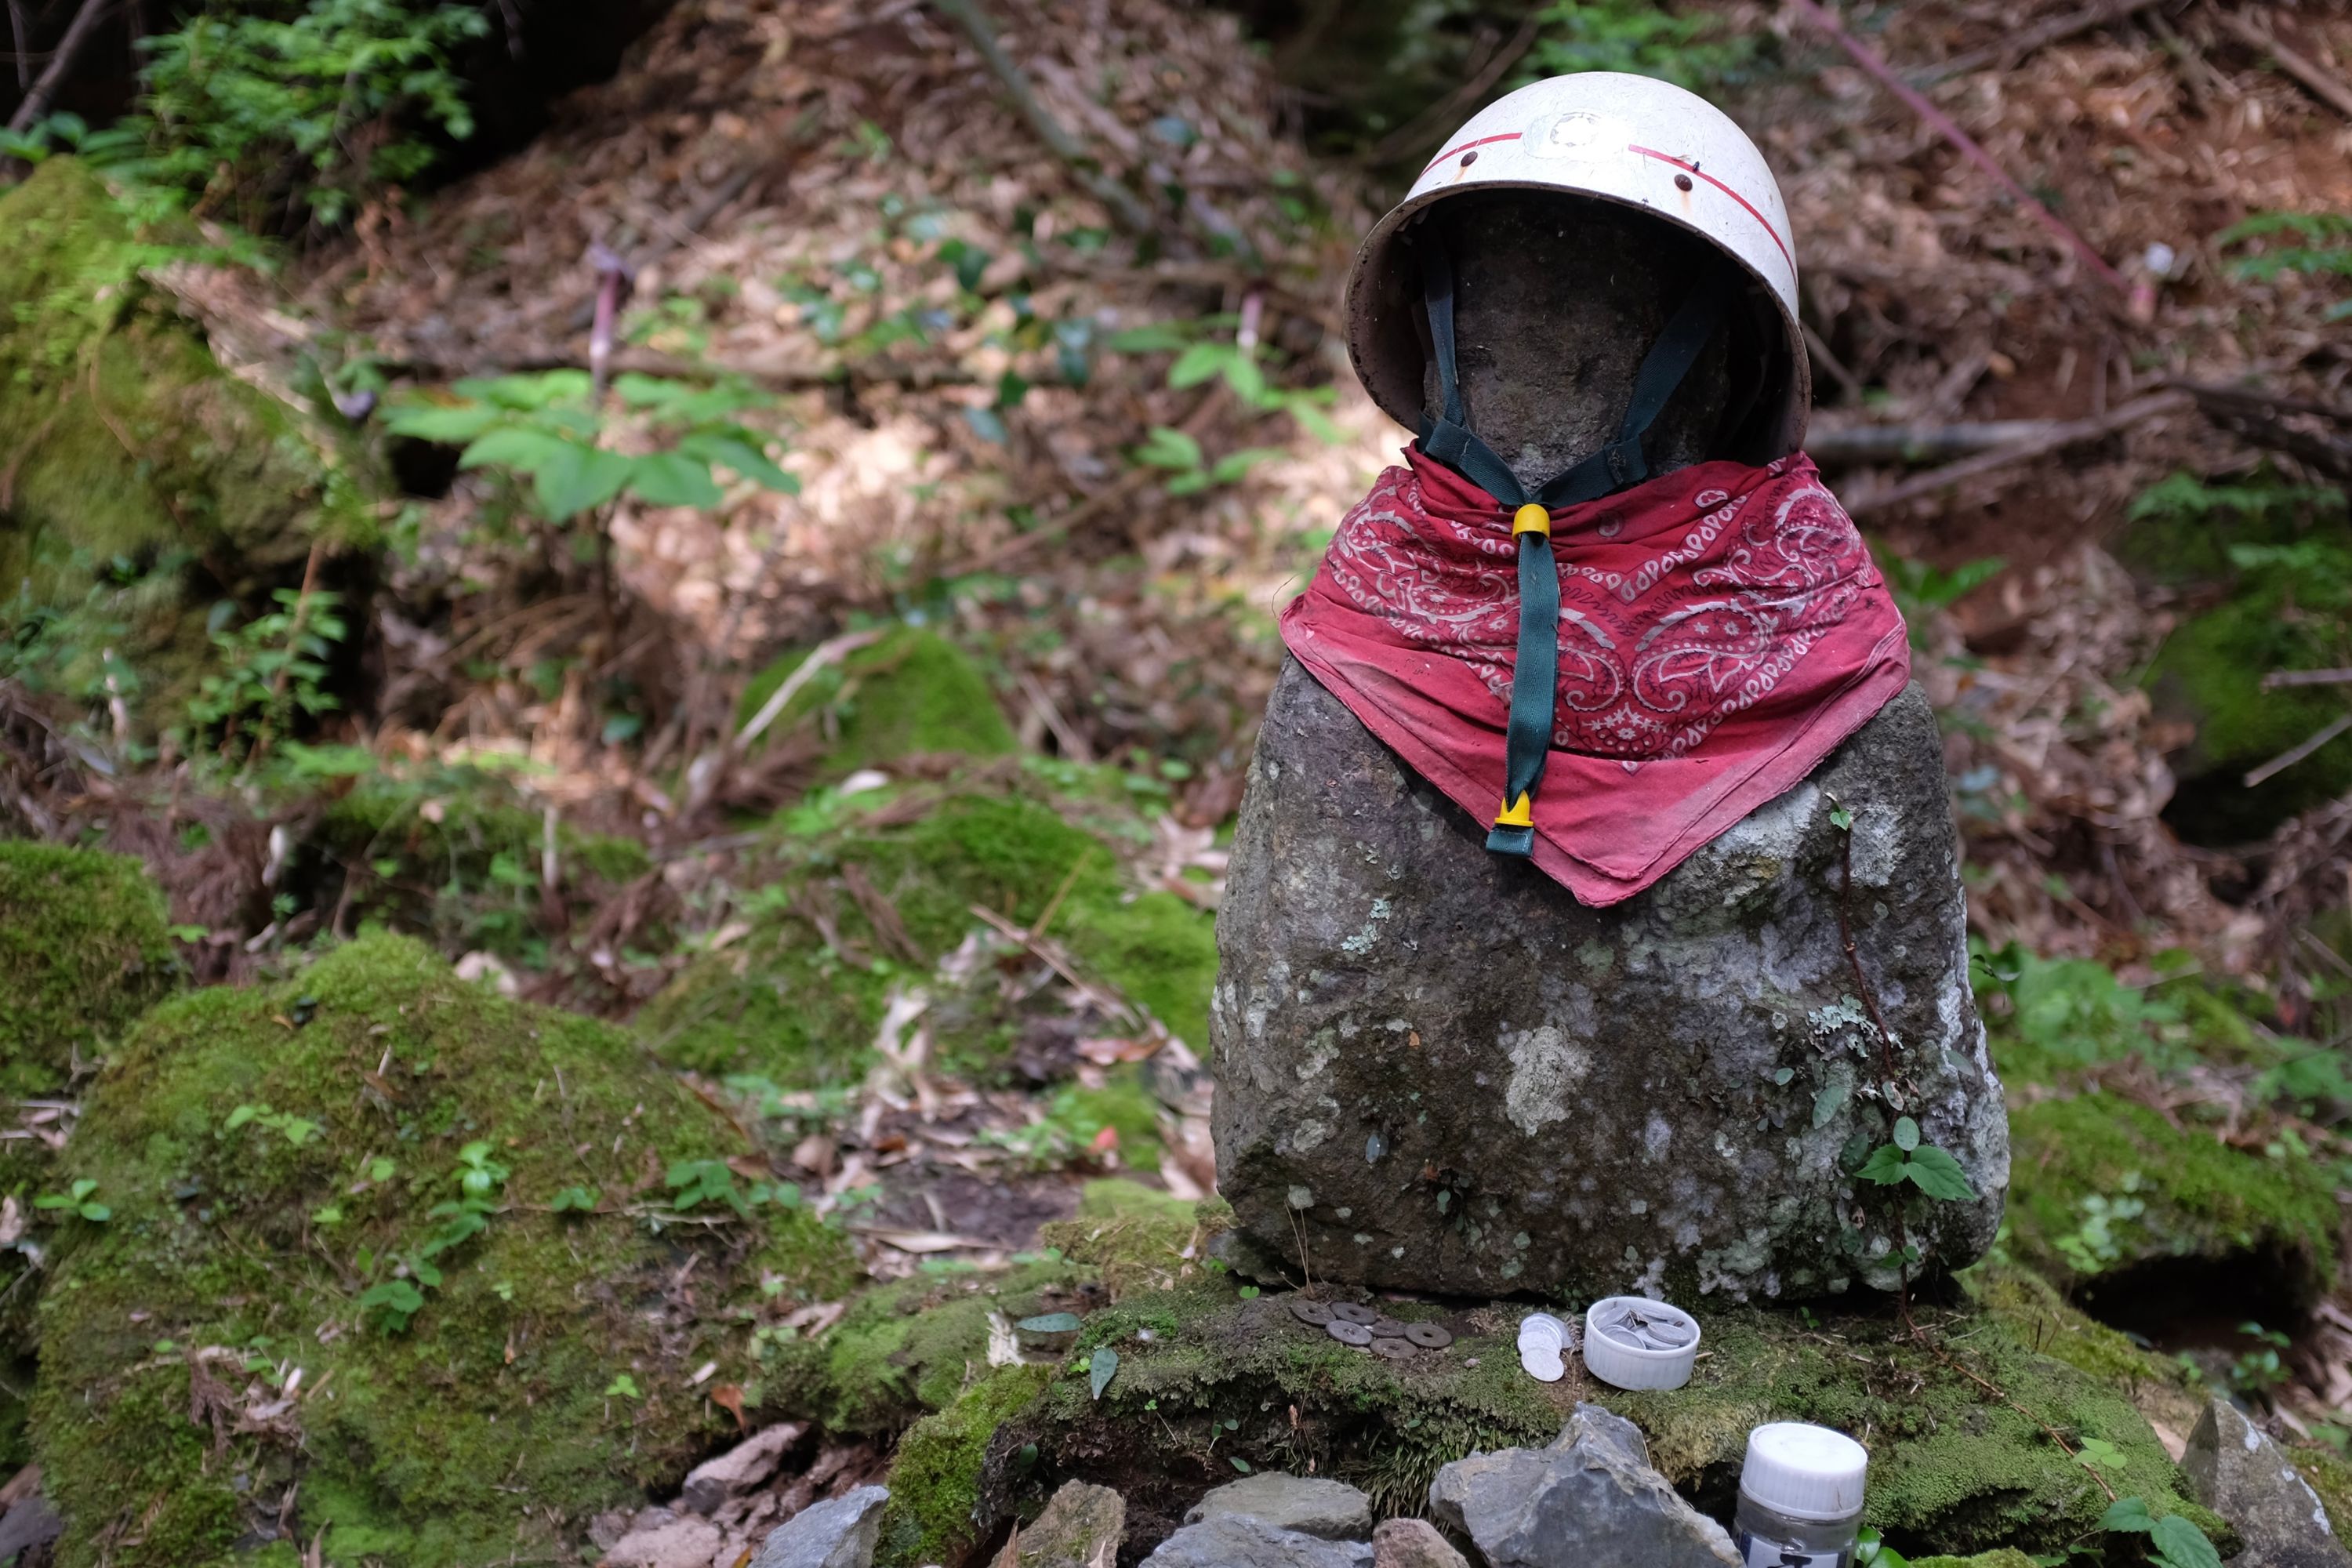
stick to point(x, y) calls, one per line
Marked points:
point(1805, 1472)
point(1633, 1366)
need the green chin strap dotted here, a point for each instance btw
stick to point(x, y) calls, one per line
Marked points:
point(1534, 675)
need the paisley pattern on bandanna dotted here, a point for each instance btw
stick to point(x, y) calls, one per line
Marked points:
point(1722, 623)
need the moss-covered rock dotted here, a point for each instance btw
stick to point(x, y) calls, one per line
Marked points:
point(495, 1242)
point(83, 952)
point(873, 893)
point(2100, 1184)
point(1204, 1379)
point(909, 693)
point(934, 1513)
point(137, 467)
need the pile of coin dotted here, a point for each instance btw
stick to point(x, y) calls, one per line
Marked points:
point(1365, 1328)
point(1544, 1341)
point(1645, 1325)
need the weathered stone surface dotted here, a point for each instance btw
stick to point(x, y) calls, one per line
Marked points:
point(1453, 1076)
point(1413, 1544)
point(1082, 1527)
point(1236, 1540)
point(740, 1469)
point(661, 1539)
point(839, 1532)
point(1308, 1504)
point(2237, 1472)
point(1587, 1499)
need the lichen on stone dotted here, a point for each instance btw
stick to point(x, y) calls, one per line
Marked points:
point(455, 1216)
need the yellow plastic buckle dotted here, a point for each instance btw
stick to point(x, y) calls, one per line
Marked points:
point(1531, 518)
point(1521, 815)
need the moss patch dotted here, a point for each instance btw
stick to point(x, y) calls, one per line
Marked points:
point(909, 693)
point(798, 999)
point(934, 1482)
point(83, 952)
point(140, 466)
point(1137, 1237)
point(288, 1172)
point(2099, 1183)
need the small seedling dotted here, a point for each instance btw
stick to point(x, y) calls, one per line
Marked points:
point(76, 1198)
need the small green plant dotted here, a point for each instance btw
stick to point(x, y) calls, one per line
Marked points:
point(1693, 51)
point(2261, 1368)
point(2173, 1542)
point(1871, 1551)
point(78, 1199)
point(297, 1131)
point(271, 670)
point(1927, 1167)
point(622, 1386)
point(1198, 360)
point(2317, 245)
point(699, 1184)
point(2097, 1243)
point(392, 1302)
point(1922, 592)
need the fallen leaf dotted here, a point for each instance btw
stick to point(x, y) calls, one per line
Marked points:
point(1102, 1369)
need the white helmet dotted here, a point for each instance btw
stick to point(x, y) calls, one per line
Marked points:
point(1632, 140)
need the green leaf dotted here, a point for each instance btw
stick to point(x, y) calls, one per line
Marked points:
point(1936, 1174)
point(1237, 1462)
point(1906, 1134)
point(578, 479)
point(1248, 1292)
point(622, 1386)
point(97, 1213)
point(2181, 1544)
point(1050, 1323)
point(1160, 337)
point(1233, 465)
point(1101, 1369)
point(582, 1199)
point(742, 457)
point(441, 422)
point(1199, 363)
point(1784, 1077)
point(672, 478)
point(1827, 1101)
point(2097, 1452)
point(525, 451)
point(2128, 1516)
point(1841, 818)
point(1169, 449)
point(1886, 1166)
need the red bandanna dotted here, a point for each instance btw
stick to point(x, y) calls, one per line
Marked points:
point(1721, 629)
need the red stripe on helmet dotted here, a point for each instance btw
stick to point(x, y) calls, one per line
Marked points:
point(1505, 136)
point(1694, 169)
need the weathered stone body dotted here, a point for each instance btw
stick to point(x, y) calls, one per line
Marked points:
point(1311, 1505)
point(2237, 1472)
point(1445, 1074)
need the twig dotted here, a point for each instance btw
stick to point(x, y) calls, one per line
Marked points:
point(2070, 434)
point(2327, 89)
point(2285, 759)
point(829, 651)
point(2010, 51)
point(2278, 678)
point(2304, 429)
point(78, 32)
point(1051, 957)
point(1823, 356)
point(1918, 443)
point(1948, 129)
point(1447, 109)
point(1125, 206)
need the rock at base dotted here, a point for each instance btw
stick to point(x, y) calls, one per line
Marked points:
point(1082, 1527)
point(1331, 1510)
point(839, 1532)
point(740, 1469)
point(2237, 1472)
point(1413, 1544)
point(1236, 1540)
point(1450, 1075)
point(1590, 1497)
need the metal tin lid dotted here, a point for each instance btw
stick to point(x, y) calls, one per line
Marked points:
point(1805, 1472)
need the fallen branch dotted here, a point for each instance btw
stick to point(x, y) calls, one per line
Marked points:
point(1125, 206)
point(2285, 759)
point(828, 652)
point(2011, 51)
point(2279, 677)
point(1918, 443)
point(2316, 435)
point(1948, 129)
point(780, 375)
point(2071, 433)
point(2322, 86)
point(61, 60)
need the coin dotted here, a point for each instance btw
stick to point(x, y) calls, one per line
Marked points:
point(1670, 1336)
point(1349, 1312)
point(1349, 1334)
point(1428, 1336)
point(1386, 1328)
point(1542, 1364)
point(1312, 1312)
point(1393, 1348)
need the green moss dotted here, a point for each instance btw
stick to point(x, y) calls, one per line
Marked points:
point(2036, 1314)
point(2330, 1476)
point(1203, 1378)
point(546, 1375)
point(1134, 1236)
point(2004, 1558)
point(134, 454)
point(934, 1479)
point(2183, 1193)
point(909, 693)
point(83, 952)
point(797, 1000)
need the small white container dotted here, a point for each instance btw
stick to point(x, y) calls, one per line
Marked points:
point(1634, 1366)
point(1800, 1497)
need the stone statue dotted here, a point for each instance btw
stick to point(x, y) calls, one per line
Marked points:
point(1440, 1068)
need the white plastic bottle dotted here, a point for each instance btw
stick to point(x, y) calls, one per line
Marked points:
point(1800, 1498)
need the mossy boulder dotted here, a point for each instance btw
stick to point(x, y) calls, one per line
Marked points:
point(495, 1243)
point(877, 893)
point(140, 481)
point(911, 692)
point(2102, 1186)
point(1204, 1378)
point(83, 952)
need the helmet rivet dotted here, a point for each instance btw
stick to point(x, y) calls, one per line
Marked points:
point(1682, 181)
point(1470, 157)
